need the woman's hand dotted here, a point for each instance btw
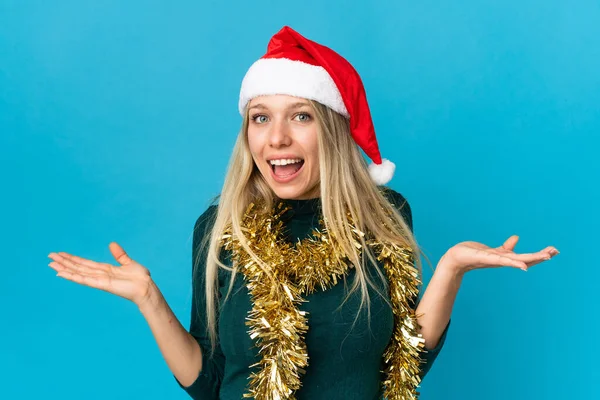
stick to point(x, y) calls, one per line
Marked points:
point(130, 280)
point(467, 256)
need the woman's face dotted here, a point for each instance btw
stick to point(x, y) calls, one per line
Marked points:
point(282, 134)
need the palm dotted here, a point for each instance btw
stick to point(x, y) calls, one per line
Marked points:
point(130, 280)
point(474, 255)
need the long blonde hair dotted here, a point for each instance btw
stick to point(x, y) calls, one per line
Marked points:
point(345, 186)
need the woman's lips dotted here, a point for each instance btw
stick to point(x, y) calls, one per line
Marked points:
point(286, 178)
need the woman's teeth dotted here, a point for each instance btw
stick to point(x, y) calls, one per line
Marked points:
point(285, 162)
point(286, 167)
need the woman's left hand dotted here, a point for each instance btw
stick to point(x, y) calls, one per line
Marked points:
point(467, 256)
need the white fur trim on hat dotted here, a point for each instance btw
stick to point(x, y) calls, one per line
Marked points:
point(382, 173)
point(295, 78)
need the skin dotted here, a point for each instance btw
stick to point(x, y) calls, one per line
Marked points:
point(435, 307)
point(280, 126)
point(284, 127)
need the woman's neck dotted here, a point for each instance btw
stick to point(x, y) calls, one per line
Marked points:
point(304, 206)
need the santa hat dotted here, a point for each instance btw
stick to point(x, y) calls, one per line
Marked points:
point(297, 66)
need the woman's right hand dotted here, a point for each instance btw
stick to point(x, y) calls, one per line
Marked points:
point(130, 280)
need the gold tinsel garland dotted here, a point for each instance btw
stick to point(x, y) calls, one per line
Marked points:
point(317, 262)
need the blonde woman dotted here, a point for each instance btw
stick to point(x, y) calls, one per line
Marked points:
point(306, 275)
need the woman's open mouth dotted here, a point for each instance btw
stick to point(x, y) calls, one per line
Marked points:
point(284, 170)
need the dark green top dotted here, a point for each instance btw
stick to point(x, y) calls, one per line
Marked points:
point(343, 363)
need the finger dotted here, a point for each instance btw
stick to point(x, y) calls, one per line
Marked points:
point(502, 260)
point(63, 264)
point(529, 257)
point(531, 264)
point(91, 281)
point(548, 252)
point(510, 243)
point(119, 254)
point(68, 264)
point(56, 266)
point(535, 258)
point(84, 261)
point(551, 250)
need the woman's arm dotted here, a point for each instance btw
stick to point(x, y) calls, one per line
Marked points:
point(178, 347)
point(436, 305)
point(200, 375)
point(188, 355)
point(209, 376)
point(132, 281)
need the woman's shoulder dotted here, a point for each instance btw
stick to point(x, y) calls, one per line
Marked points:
point(205, 221)
point(399, 202)
point(395, 198)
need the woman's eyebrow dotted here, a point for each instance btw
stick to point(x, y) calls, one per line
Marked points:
point(259, 105)
point(291, 106)
point(298, 104)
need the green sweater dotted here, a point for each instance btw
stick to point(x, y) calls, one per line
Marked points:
point(344, 363)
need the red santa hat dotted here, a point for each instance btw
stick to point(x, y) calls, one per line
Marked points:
point(297, 66)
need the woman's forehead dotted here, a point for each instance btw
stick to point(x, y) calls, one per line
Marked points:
point(281, 101)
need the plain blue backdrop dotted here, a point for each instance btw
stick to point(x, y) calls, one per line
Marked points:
point(117, 119)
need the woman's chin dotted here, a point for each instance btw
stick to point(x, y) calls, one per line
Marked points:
point(295, 187)
point(293, 192)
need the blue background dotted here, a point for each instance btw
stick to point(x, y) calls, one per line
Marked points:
point(116, 124)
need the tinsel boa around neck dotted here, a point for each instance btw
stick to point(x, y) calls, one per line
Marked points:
point(278, 326)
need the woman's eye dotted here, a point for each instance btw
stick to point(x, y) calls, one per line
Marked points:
point(259, 119)
point(303, 117)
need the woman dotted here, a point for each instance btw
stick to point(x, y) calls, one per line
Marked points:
point(299, 212)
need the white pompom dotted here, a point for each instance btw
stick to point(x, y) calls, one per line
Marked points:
point(382, 173)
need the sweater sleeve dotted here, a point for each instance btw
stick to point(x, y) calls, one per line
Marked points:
point(207, 384)
point(428, 356)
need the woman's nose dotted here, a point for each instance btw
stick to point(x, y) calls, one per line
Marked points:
point(279, 135)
